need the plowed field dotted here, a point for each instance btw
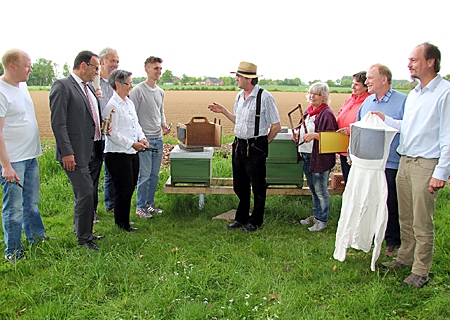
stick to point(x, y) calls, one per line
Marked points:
point(181, 106)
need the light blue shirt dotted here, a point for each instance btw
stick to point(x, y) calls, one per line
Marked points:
point(391, 104)
point(425, 129)
point(245, 111)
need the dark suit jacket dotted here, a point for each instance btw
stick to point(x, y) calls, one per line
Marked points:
point(72, 121)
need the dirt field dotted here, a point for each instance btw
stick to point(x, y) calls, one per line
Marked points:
point(181, 106)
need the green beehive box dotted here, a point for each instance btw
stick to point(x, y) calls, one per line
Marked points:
point(192, 167)
point(281, 166)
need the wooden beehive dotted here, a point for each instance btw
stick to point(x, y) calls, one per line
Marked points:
point(199, 132)
point(337, 181)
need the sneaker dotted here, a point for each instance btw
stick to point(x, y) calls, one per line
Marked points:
point(14, 257)
point(393, 265)
point(307, 221)
point(143, 213)
point(96, 220)
point(391, 251)
point(154, 209)
point(415, 280)
point(318, 226)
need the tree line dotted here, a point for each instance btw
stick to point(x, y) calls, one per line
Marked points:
point(45, 72)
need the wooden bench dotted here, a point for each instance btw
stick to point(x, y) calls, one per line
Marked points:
point(225, 186)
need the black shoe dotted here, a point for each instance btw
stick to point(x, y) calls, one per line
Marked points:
point(90, 245)
point(95, 237)
point(130, 229)
point(249, 228)
point(234, 225)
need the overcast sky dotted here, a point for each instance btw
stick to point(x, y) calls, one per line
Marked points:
point(285, 39)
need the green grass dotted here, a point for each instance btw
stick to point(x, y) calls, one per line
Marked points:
point(184, 265)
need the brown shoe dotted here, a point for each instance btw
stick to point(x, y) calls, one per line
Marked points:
point(415, 280)
point(391, 251)
point(393, 265)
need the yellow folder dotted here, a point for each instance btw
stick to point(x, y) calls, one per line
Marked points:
point(332, 142)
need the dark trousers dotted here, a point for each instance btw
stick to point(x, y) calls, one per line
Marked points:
point(84, 180)
point(392, 235)
point(345, 167)
point(124, 169)
point(249, 168)
point(95, 167)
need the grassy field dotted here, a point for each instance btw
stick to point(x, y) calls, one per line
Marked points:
point(184, 265)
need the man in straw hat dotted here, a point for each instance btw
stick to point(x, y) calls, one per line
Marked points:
point(254, 130)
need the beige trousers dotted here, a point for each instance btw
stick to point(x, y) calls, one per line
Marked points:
point(416, 210)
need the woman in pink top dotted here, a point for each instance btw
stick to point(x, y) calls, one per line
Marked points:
point(348, 112)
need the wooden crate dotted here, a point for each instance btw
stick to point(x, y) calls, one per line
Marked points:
point(199, 132)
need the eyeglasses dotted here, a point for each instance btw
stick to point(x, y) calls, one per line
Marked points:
point(93, 65)
point(113, 60)
point(128, 83)
point(314, 94)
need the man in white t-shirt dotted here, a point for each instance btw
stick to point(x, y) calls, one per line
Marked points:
point(19, 148)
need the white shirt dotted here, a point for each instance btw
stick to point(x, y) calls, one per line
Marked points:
point(125, 128)
point(20, 129)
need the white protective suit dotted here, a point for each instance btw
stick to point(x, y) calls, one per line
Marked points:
point(364, 211)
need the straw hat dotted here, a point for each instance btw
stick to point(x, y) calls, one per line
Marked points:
point(247, 70)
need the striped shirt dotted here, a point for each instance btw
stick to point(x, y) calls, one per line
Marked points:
point(245, 111)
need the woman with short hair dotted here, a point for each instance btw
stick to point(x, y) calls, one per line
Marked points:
point(123, 142)
point(318, 117)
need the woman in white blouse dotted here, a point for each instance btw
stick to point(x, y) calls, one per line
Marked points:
point(123, 142)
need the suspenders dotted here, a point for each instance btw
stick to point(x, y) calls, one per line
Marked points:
point(258, 112)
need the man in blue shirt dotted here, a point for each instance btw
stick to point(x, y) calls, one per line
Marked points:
point(391, 103)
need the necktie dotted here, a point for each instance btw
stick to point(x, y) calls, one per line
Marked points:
point(94, 112)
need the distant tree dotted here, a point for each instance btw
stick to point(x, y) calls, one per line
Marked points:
point(137, 80)
point(447, 77)
point(1, 69)
point(331, 83)
point(167, 76)
point(185, 79)
point(44, 73)
point(346, 81)
point(228, 81)
point(314, 81)
point(66, 69)
point(338, 82)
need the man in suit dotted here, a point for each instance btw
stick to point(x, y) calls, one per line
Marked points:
point(76, 124)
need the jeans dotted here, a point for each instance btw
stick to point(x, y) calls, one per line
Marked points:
point(318, 184)
point(20, 207)
point(149, 165)
point(109, 190)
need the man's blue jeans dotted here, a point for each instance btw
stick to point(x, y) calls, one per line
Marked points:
point(149, 165)
point(109, 190)
point(318, 184)
point(20, 207)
